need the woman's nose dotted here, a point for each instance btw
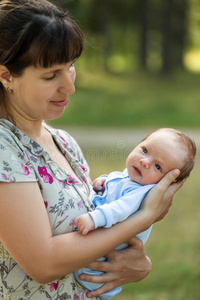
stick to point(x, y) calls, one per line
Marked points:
point(67, 84)
point(145, 163)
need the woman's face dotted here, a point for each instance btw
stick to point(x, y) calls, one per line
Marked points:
point(42, 93)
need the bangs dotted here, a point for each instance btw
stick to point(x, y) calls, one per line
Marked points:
point(57, 43)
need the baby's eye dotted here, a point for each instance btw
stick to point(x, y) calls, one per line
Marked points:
point(144, 150)
point(158, 167)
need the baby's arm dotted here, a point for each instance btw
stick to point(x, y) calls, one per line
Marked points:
point(99, 184)
point(84, 223)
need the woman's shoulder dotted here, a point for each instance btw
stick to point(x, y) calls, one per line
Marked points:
point(72, 145)
point(66, 140)
point(66, 136)
point(8, 134)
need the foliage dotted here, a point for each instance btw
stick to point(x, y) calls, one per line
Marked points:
point(161, 28)
point(152, 34)
point(139, 99)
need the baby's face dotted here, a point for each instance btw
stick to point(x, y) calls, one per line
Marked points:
point(154, 157)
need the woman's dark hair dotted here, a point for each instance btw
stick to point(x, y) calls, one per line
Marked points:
point(36, 33)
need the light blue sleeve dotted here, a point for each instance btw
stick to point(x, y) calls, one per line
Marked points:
point(117, 211)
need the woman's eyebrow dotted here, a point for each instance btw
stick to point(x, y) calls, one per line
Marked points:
point(52, 71)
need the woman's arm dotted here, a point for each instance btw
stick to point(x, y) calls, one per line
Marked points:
point(25, 232)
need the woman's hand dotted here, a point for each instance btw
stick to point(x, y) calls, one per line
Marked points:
point(159, 199)
point(122, 266)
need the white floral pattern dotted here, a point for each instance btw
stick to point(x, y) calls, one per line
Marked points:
point(23, 160)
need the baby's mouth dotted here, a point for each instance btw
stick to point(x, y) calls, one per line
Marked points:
point(137, 171)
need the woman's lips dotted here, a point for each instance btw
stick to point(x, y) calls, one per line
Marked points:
point(136, 171)
point(60, 103)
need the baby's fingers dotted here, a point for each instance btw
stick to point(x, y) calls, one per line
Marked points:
point(84, 231)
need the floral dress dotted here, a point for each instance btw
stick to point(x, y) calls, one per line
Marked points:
point(23, 160)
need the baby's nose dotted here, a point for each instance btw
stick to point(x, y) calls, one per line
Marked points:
point(145, 163)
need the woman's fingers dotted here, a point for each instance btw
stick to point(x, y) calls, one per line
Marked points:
point(159, 199)
point(121, 267)
point(108, 280)
point(167, 180)
point(103, 289)
point(102, 266)
point(104, 278)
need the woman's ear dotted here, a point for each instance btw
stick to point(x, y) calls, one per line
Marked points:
point(5, 76)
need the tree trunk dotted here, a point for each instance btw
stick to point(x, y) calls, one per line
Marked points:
point(143, 29)
point(166, 36)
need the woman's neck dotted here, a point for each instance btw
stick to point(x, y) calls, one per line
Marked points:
point(32, 128)
point(28, 125)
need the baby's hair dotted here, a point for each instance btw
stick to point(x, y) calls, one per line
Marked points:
point(189, 147)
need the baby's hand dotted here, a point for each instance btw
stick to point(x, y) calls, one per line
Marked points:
point(99, 184)
point(84, 223)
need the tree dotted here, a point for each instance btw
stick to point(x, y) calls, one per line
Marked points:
point(143, 30)
point(168, 22)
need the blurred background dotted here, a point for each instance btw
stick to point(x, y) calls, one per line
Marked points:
point(140, 70)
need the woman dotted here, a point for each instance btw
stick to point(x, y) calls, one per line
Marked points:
point(44, 179)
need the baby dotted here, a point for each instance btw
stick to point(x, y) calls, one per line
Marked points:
point(122, 192)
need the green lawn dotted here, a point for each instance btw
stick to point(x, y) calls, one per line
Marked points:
point(173, 246)
point(133, 100)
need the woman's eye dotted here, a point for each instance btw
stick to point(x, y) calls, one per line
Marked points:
point(158, 167)
point(145, 150)
point(51, 77)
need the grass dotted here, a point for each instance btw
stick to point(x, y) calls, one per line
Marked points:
point(133, 100)
point(173, 246)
